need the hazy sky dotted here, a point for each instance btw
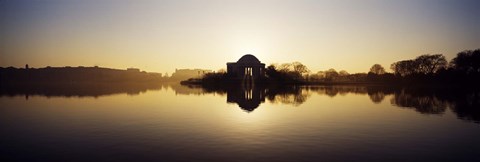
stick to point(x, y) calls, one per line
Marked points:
point(160, 36)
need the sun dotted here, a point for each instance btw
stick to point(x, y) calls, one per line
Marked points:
point(242, 43)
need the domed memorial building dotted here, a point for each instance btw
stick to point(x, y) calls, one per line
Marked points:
point(248, 66)
point(247, 70)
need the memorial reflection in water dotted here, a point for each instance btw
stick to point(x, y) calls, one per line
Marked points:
point(464, 102)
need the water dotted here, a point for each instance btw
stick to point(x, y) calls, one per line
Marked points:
point(178, 123)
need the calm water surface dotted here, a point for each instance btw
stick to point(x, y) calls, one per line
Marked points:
point(178, 123)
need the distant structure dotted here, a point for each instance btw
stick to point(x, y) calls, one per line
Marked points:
point(184, 74)
point(131, 70)
point(75, 75)
point(248, 67)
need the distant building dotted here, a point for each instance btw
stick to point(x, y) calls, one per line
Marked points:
point(155, 74)
point(133, 70)
point(184, 74)
point(248, 66)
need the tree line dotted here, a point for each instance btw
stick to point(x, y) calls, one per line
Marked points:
point(463, 68)
point(427, 68)
point(75, 75)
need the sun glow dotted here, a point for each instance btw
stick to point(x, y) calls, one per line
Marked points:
point(160, 36)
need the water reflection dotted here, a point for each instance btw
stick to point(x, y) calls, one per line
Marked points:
point(422, 103)
point(77, 90)
point(249, 98)
point(464, 102)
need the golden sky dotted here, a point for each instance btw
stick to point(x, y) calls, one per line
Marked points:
point(159, 36)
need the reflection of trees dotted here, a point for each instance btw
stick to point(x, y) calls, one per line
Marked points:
point(464, 102)
point(78, 89)
point(287, 95)
point(191, 90)
point(467, 107)
point(376, 93)
point(422, 104)
point(376, 97)
point(332, 91)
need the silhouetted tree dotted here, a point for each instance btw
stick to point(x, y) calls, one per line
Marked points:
point(320, 75)
point(467, 61)
point(404, 68)
point(424, 64)
point(377, 69)
point(343, 73)
point(283, 74)
point(288, 72)
point(429, 64)
point(285, 67)
point(331, 74)
point(300, 68)
point(271, 71)
point(214, 77)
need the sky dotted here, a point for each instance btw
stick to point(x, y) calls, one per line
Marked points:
point(160, 36)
